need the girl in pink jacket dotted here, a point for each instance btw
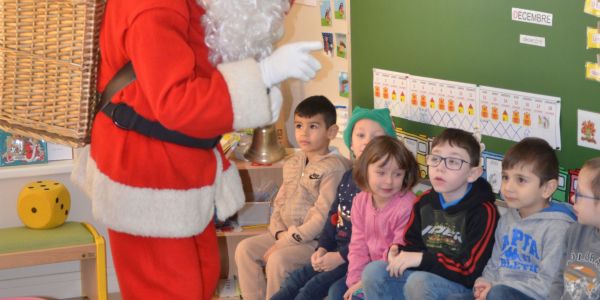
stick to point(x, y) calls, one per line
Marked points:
point(385, 172)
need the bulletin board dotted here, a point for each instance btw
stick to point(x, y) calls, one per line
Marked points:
point(477, 42)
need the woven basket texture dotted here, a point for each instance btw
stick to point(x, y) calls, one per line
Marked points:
point(48, 62)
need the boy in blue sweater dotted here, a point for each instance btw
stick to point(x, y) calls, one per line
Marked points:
point(530, 238)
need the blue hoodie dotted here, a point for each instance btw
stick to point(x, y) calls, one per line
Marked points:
point(528, 251)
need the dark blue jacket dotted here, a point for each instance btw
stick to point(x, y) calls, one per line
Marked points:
point(338, 226)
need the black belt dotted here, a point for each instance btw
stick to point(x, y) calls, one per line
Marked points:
point(125, 117)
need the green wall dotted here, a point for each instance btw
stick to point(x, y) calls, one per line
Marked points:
point(475, 41)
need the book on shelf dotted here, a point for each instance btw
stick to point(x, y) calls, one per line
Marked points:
point(228, 288)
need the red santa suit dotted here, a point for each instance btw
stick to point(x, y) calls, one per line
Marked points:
point(158, 198)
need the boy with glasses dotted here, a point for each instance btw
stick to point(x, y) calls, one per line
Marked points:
point(530, 238)
point(581, 277)
point(450, 232)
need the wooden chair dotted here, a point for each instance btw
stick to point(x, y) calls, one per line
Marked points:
point(22, 246)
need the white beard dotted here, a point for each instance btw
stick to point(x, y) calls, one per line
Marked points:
point(240, 29)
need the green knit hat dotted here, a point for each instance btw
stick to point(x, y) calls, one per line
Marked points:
point(380, 115)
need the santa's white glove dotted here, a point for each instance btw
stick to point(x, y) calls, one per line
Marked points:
point(276, 102)
point(290, 61)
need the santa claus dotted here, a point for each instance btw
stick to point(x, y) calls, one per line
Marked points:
point(152, 170)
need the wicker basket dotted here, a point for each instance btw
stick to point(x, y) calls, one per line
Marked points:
point(48, 61)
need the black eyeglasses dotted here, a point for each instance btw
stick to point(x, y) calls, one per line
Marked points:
point(452, 163)
point(578, 196)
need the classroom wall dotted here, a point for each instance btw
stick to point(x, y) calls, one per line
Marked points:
point(302, 24)
point(476, 42)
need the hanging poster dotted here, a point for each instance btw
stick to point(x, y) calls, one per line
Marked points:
point(587, 129)
point(328, 43)
point(343, 84)
point(325, 13)
point(339, 7)
point(592, 7)
point(514, 115)
point(340, 45)
point(418, 145)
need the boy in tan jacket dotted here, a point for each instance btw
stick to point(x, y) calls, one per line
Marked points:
point(310, 180)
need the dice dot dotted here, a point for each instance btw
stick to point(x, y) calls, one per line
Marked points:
point(30, 187)
point(39, 182)
point(66, 212)
point(56, 183)
point(62, 206)
point(33, 210)
point(46, 189)
point(56, 201)
point(42, 185)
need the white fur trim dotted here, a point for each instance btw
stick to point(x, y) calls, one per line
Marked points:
point(230, 194)
point(249, 98)
point(153, 212)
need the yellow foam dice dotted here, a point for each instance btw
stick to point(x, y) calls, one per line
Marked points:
point(44, 204)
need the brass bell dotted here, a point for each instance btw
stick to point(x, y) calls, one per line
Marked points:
point(265, 148)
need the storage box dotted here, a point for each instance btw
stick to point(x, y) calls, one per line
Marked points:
point(19, 150)
point(254, 213)
point(48, 62)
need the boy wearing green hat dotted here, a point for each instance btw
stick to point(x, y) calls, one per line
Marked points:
point(326, 274)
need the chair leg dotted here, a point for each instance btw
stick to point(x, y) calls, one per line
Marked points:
point(94, 284)
point(89, 279)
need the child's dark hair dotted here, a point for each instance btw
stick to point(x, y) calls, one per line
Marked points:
point(594, 166)
point(386, 147)
point(461, 139)
point(314, 105)
point(537, 154)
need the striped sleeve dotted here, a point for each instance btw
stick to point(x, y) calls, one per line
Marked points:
point(479, 241)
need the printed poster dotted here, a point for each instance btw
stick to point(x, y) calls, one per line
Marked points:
point(340, 45)
point(492, 169)
point(343, 84)
point(458, 105)
point(593, 38)
point(325, 13)
point(418, 145)
point(561, 192)
point(514, 115)
point(496, 112)
point(340, 9)
point(399, 89)
point(328, 43)
point(378, 101)
point(382, 86)
point(420, 89)
point(592, 7)
point(587, 129)
point(592, 71)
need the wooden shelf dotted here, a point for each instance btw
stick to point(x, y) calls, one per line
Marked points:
point(39, 170)
point(244, 232)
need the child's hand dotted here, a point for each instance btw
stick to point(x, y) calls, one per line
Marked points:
point(481, 289)
point(403, 261)
point(269, 252)
point(351, 290)
point(330, 261)
point(315, 257)
point(392, 253)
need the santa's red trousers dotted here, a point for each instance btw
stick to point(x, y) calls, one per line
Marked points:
point(166, 268)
